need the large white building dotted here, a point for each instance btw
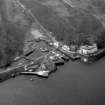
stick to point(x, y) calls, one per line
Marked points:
point(84, 50)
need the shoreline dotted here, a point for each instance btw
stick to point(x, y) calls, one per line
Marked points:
point(96, 56)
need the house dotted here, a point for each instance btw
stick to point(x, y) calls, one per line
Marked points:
point(66, 48)
point(85, 50)
point(56, 44)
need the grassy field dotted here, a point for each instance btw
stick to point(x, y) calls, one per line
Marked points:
point(67, 23)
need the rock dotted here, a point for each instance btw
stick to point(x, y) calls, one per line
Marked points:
point(31, 79)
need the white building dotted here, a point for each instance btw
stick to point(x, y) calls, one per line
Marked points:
point(66, 48)
point(84, 50)
point(56, 44)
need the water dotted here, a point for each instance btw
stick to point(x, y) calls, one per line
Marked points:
point(73, 84)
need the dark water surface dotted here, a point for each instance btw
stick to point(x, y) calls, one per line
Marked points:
point(72, 84)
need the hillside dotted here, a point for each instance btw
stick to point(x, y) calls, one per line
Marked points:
point(13, 26)
point(72, 22)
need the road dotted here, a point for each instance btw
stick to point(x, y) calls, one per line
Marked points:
point(72, 84)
